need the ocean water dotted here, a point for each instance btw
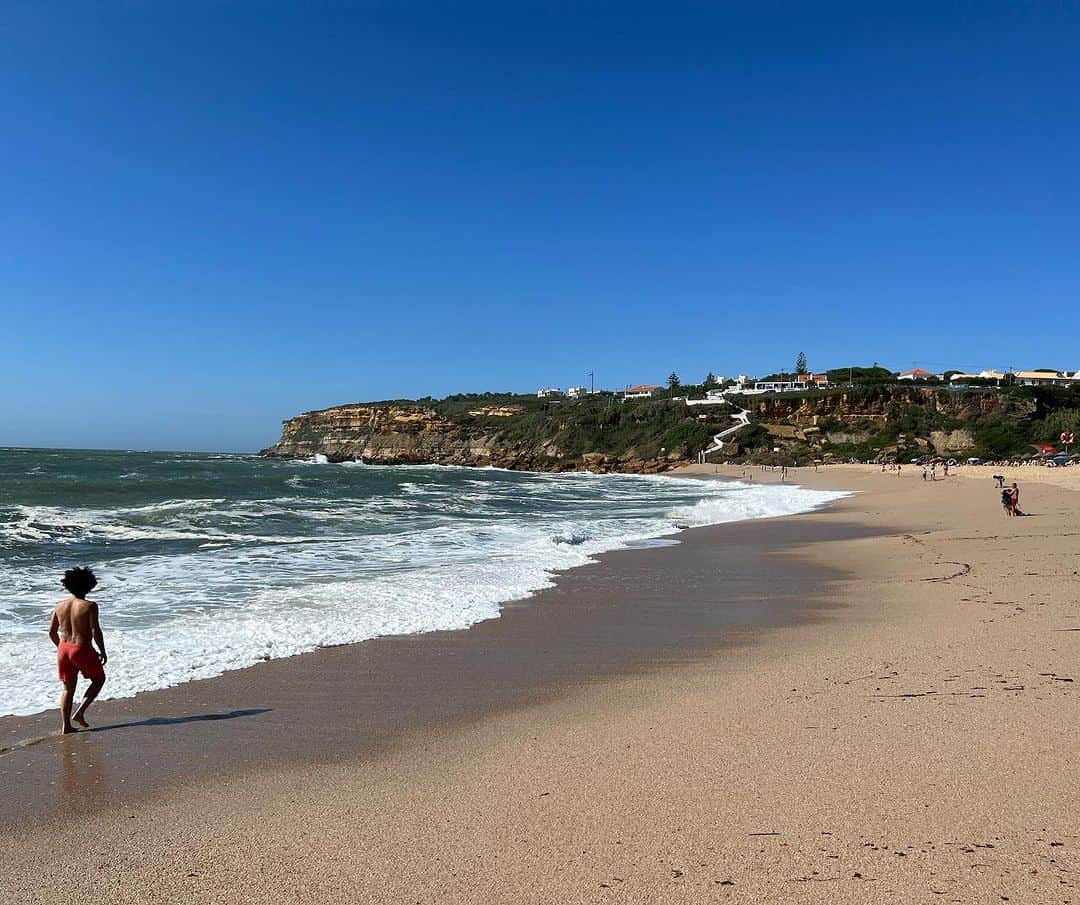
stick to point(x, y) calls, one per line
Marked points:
point(211, 562)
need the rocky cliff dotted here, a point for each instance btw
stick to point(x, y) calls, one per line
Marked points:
point(602, 433)
point(888, 403)
point(411, 433)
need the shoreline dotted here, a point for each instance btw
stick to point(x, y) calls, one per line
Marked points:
point(254, 703)
point(911, 737)
point(35, 697)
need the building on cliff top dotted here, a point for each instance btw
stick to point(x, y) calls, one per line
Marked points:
point(777, 386)
point(982, 375)
point(1046, 378)
point(644, 391)
point(549, 393)
point(916, 374)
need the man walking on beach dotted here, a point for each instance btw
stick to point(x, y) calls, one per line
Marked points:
point(74, 625)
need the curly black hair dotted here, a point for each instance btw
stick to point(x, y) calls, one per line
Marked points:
point(79, 581)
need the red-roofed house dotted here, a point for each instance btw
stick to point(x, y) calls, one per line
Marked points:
point(817, 380)
point(645, 391)
point(915, 374)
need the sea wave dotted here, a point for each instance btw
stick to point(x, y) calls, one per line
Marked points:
point(393, 551)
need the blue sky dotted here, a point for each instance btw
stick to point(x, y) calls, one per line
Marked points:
point(216, 215)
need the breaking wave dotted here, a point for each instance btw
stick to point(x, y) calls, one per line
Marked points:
point(266, 559)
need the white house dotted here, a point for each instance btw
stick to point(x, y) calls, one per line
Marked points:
point(714, 397)
point(915, 374)
point(644, 391)
point(780, 386)
point(549, 392)
point(576, 392)
point(982, 375)
point(1046, 379)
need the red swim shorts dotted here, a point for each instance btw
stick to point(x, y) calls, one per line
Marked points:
point(72, 659)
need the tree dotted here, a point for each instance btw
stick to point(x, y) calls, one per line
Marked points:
point(710, 380)
point(1057, 422)
point(673, 382)
point(800, 364)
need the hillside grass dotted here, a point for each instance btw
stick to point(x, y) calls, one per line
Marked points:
point(651, 428)
point(647, 428)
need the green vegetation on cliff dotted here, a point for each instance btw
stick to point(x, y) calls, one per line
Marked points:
point(602, 423)
point(894, 420)
point(601, 432)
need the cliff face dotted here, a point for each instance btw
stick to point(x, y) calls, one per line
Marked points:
point(403, 433)
point(602, 433)
point(379, 434)
point(812, 411)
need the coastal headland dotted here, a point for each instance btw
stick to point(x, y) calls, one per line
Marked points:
point(609, 432)
point(876, 702)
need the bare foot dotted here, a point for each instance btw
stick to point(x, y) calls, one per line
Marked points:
point(69, 730)
point(78, 718)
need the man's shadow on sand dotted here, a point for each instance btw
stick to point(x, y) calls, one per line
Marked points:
point(177, 720)
point(133, 724)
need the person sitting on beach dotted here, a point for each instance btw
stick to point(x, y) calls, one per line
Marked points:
point(74, 625)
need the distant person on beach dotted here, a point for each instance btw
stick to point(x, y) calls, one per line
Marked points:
point(1014, 496)
point(1006, 501)
point(73, 627)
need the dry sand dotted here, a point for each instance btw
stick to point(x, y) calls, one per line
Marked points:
point(915, 742)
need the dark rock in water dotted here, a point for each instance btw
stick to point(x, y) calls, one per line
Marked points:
point(572, 540)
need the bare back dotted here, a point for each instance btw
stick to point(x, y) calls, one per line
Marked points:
point(76, 620)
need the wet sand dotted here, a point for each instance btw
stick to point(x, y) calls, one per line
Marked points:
point(873, 703)
point(633, 610)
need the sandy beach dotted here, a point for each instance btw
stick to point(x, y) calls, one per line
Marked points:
point(876, 702)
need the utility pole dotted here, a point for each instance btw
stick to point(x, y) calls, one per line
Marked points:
point(592, 388)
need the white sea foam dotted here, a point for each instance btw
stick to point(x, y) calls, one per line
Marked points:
point(431, 556)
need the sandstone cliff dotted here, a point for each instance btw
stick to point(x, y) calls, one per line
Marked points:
point(602, 433)
point(888, 403)
point(411, 433)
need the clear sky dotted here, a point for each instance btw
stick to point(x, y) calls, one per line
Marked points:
point(216, 215)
